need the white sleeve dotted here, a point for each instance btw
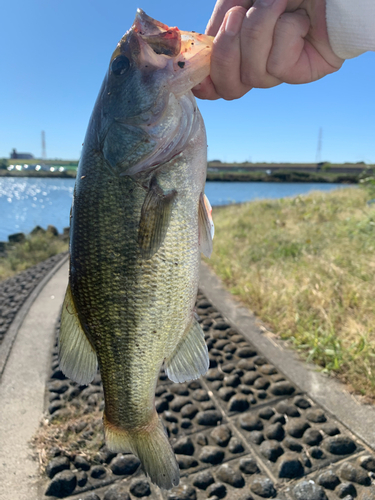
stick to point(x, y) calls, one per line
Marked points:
point(351, 26)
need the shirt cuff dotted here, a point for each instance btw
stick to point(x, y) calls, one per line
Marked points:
point(351, 26)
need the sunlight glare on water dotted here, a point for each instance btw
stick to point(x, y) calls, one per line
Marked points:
point(27, 202)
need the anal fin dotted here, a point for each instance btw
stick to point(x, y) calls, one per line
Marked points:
point(205, 225)
point(190, 358)
point(155, 216)
point(77, 357)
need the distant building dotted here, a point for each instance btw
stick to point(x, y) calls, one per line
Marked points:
point(20, 156)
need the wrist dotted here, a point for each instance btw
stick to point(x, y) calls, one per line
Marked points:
point(319, 35)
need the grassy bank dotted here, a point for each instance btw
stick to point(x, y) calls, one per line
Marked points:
point(283, 176)
point(217, 171)
point(226, 176)
point(66, 174)
point(306, 266)
point(33, 250)
point(69, 168)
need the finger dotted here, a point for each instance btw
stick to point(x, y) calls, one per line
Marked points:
point(318, 35)
point(296, 57)
point(288, 60)
point(226, 57)
point(206, 90)
point(220, 9)
point(256, 42)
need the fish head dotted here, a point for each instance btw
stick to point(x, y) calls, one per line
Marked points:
point(150, 61)
point(145, 113)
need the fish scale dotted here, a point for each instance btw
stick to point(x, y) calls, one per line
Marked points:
point(139, 221)
point(100, 295)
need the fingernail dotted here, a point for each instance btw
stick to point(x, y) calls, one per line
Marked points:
point(233, 23)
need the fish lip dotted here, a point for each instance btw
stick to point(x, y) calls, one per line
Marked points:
point(152, 45)
point(149, 44)
point(179, 46)
point(159, 37)
point(146, 25)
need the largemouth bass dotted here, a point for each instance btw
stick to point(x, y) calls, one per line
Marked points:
point(139, 221)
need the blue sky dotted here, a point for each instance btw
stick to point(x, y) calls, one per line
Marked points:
point(54, 54)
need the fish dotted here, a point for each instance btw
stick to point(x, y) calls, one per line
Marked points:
point(138, 225)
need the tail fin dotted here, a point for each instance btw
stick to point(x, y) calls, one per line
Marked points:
point(151, 446)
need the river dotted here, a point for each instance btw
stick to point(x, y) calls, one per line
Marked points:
point(26, 202)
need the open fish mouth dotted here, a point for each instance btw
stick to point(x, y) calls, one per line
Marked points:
point(184, 46)
point(169, 41)
point(160, 37)
point(185, 55)
point(183, 58)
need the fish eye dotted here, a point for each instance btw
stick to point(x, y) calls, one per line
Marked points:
point(120, 64)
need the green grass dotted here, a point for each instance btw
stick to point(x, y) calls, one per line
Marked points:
point(305, 266)
point(282, 176)
point(39, 161)
point(70, 168)
point(325, 166)
point(35, 249)
point(69, 173)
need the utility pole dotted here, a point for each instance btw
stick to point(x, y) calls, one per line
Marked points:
point(44, 155)
point(318, 157)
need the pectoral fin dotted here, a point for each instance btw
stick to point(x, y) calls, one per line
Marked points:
point(155, 216)
point(190, 358)
point(77, 357)
point(206, 225)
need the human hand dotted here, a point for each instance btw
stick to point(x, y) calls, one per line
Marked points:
point(263, 43)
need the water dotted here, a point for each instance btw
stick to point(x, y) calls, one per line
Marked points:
point(27, 202)
point(224, 193)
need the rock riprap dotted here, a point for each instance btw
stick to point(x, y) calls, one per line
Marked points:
point(242, 432)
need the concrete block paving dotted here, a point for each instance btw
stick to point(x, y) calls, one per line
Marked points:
point(243, 431)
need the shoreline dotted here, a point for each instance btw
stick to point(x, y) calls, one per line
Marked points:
point(66, 174)
point(217, 171)
point(279, 176)
point(284, 176)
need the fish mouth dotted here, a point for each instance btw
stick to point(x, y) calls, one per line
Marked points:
point(167, 43)
point(161, 38)
point(147, 25)
point(185, 54)
point(178, 60)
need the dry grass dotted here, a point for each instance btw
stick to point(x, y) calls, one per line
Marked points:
point(35, 249)
point(306, 266)
point(75, 433)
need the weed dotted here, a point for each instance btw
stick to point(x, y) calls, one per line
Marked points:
point(305, 266)
point(33, 250)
